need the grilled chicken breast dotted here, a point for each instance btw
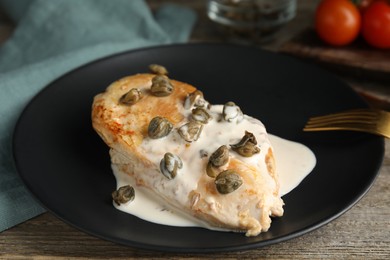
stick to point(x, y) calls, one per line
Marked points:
point(209, 161)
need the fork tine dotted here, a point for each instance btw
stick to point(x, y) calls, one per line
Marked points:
point(349, 120)
point(343, 117)
point(361, 116)
point(333, 121)
point(338, 125)
point(356, 114)
point(363, 120)
point(350, 128)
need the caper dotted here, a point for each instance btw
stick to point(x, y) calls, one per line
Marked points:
point(201, 115)
point(247, 146)
point(123, 195)
point(211, 170)
point(231, 112)
point(170, 164)
point(248, 137)
point(190, 131)
point(220, 157)
point(195, 99)
point(159, 127)
point(161, 86)
point(203, 153)
point(248, 149)
point(158, 69)
point(217, 159)
point(131, 97)
point(228, 181)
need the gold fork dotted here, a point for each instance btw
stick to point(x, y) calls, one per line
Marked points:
point(368, 120)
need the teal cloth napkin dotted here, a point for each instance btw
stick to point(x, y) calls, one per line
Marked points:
point(53, 37)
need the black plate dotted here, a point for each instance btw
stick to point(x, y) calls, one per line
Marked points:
point(66, 165)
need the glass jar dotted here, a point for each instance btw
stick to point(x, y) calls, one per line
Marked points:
point(254, 20)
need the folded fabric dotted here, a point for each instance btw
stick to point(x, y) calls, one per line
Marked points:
point(53, 37)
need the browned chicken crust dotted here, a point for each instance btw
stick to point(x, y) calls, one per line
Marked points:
point(125, 127)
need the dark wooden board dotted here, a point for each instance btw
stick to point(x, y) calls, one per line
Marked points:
point(357, 59)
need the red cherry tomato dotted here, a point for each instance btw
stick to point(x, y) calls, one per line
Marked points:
point(376, 24)
point(363, 4)
point(337, 22)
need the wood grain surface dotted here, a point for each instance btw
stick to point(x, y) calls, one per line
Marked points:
point(363, 232)
point(357, 59)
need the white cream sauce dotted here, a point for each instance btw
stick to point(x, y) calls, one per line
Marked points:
point(294, 161)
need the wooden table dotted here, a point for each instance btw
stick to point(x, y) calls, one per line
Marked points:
point(363, 232)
